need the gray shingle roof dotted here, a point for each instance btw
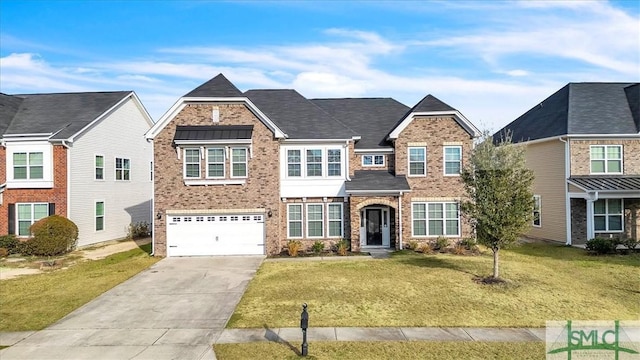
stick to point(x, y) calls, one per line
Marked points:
point(8, 107)
point(298, 117)
point(376, 180)
point(214, 132)
point(62, 114)
point(219, 86)
point(431, 103)
point(371, 118)
point(607, 183)
point(579, 108)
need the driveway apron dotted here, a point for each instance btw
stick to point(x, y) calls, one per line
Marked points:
point(176, 309)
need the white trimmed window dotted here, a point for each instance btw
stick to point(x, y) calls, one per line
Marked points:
point(99, 165)
point(417, 161)
point(335, 220)
point(192, 163)
point(452, 160)
point(372, 160)
point(27, 214)
point(238, 162)
point(294, 163)
point(294, 220)
point(28, 165)
point(314, 162)
point(123, 168)
point(435, 219)
point(537, 206)
point(606, 159)
point(99, 215)
point(215, 163)
point(608, 215)
point(334, 163)
point(315, 221)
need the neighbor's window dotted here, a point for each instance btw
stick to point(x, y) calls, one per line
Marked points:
point(28, 214)
point(314, 162)
point(335, 220)
point(435, 219)
point(238, 162)
point(372, 160)
point(28, 165)
point(315, 220)
point(606, 159)
point(294, 220)
point(452, 160)
point(123, 167)
point(215, 163)
point(608, 215)
point(99, 215)
point(99, 172)
point(192, 163)
point(417, 161)
point(537, 220)
point(333, 162)
point(294, 161)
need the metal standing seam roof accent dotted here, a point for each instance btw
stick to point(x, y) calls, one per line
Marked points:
point(607, 183)
point(376, 180)
point(213, 132)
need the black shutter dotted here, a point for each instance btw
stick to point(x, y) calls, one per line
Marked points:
point(12, 218)
point(52, 209)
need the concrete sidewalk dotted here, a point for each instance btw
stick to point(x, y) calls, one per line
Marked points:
point(231, 336)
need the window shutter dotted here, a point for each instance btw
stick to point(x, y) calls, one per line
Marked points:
point(52, 209)
point(12, 218)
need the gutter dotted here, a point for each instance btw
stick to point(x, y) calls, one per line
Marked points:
point(400, 221)
point(567, 199)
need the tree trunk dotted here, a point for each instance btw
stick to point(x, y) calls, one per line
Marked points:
point(495, 263)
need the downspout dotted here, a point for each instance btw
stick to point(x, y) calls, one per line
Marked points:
point(68, 151)
point(153, 200)
point(567, 199)
point(346, 160)
point(400, 221)
point(590, 226)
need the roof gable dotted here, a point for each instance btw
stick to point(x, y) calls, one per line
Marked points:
point(9, 105)
point(633, 98)
point(431, 103)
point(219, 86)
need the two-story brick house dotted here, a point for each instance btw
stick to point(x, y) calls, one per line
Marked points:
point(79, 155)
point(244, 172)
point(583, 144)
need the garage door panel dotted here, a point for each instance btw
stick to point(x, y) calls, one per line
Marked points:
point(189, 235)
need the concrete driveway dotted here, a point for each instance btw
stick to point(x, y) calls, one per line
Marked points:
point(175, 309)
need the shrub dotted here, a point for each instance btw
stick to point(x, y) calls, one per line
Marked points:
point(11, 243)
point(411, 245)
point(3, 252)
point(53, 235)
point(468, 243)
point(630, 243)
point(293, 247)
point(318, 246)
point(342, 247)
point(601, 246)
point(441, 243)
point(425, 248)
point(139, 230)
point(459, 249)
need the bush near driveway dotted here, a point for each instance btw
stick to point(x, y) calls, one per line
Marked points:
point(545, 282)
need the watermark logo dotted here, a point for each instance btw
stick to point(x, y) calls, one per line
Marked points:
point(573, 340)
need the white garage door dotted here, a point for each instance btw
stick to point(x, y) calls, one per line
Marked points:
point(233, 234)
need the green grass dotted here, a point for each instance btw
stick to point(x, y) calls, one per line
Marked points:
point(385, 350)
point(33, 302)
point(546, 282)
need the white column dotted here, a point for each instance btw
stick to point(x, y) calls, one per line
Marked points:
point(590, 225)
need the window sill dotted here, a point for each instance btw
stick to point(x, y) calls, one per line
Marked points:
point(207, 182)
point(29, 184)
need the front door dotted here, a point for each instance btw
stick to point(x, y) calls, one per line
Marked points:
point(374, 227)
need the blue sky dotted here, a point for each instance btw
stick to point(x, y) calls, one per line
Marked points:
point(492, 60)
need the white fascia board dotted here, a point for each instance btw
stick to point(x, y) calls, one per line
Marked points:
point(182, 102)
point(461, 119)
point(595, 136)
point(213, 142)
point(576, 185)
point(26, 137)
point(99, 118)
point(319, 141)
point(375, 151)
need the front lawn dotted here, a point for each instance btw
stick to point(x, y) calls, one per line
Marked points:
point(386, 350)
point(546, 282)
point(36, 301)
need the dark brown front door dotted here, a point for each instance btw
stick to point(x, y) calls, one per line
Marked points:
point(374, 226)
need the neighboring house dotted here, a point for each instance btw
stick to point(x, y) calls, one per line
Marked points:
point(245, 172)
point(78, 155)
point(583, 143)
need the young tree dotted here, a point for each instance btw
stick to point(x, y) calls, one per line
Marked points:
point(500, 201)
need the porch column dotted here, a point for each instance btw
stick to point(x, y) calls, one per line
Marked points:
point(590, 225)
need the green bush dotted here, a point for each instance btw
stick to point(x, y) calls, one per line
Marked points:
point(441, 243)
point(139, 230)
point(342, 247)
point(469, 243)
point(293, 247)
point(53, 235)
point(411, 245)
point(601, 246)
point(318, 246)
point(11, 243)
point(630, 243)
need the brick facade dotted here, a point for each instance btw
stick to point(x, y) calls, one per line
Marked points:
point(56, 195)
point(261, 189)
point(581, 160)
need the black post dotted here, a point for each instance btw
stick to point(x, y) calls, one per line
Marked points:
point(304, 324)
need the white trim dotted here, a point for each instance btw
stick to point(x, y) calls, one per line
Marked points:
point(444, 159)
point(460, 119)
point(539, 201)
point(207, 162)
point(194, 181)
point(380, 151)
point(606, 172)
point(329, 220)
point(301, 205)
point(378, 192)
point(409, 161)
point(444, 219)
point(213, 142)
point(306, 141)
point(95, 216)
point(373, 160)
point(607, 214)
point(32, 217)
point(95, 167)
point(115, 168)
point(246, 163)
point(322, 221)
point(184, 163)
